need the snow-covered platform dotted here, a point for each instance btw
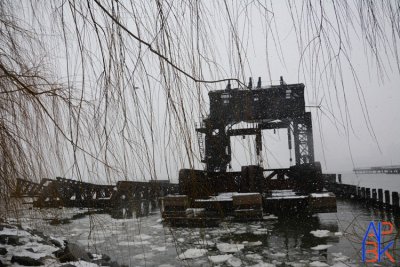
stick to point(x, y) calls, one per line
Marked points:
point(180, 210)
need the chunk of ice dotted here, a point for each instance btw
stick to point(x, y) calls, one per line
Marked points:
point(234, 262)
point(263, 264)
point(160, 249)
point(192, 253)
point(229, 248)
point(81, 264)
point(318, 264)
point(320, 233)
point(133, 243)
point(14, 232)
point(255, 257)
point(220, 258)
point(321, 247)
point(270, 217)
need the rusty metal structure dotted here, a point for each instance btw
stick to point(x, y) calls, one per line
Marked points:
point(296, 188)
point(62, 192)
point(275, 107)
point(264, 108)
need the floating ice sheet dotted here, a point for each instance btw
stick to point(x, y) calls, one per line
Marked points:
point(220, 258)
point(321, 247)
point(229, 248)
point(192, 253)
point(320, 233)
point(318, 264)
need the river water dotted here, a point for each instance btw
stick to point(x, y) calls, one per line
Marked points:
point(331, 239)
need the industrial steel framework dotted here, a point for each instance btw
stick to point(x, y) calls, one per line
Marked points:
point(273, 107)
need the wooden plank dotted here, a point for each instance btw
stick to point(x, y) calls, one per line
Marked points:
point(248, 199)
point(176, 201)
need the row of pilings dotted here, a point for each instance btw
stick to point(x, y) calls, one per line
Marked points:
point(379, 197)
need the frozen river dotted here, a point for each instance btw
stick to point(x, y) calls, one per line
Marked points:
point(332, 239)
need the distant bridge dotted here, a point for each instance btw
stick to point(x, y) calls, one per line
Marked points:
point(392, 169)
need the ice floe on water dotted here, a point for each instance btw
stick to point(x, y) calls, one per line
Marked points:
point(339, 257)
point(229, 248)
point(159, 249)
point(220, 258)
point(320, 233)
point(321, 247)
point(234, 262)
point(143, 256)
point(14, 232)
point(270, 217)
point(204, 243)
point(295, 264)
point(134, 243)
point(263, 264)
point(261, 231)
point(79, 264)
point(254, 256)
point(146, 241)
point(90, 242)
point(252, 244)
point(318, 264)
point(192, 253)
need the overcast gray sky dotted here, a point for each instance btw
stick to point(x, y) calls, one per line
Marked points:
point(138, 113)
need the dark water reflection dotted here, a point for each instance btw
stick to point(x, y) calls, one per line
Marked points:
point(288, 241)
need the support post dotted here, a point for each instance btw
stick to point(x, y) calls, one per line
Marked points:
point(374, 195)
point(339, 178)
point(368, 194)
point(362, 193)
point(380, 196)
point(387, 198)
point(395, 201)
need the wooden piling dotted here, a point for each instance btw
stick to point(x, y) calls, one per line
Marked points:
point(363, 193)
point(374, 195)
point(380, 196)
point(368, 194)
point(395, 201)
point(353, 191)
point(387, 198)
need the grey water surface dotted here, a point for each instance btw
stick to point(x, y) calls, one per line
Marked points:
point(331, 239)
